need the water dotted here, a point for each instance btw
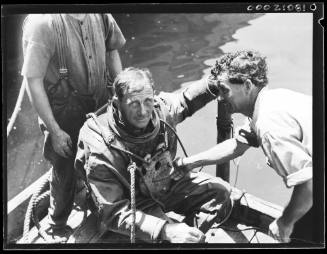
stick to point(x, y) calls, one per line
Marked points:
point(286, 40)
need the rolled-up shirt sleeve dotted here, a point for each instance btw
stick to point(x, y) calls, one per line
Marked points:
point(288, 157)
point(38, 46)
point(115, 38)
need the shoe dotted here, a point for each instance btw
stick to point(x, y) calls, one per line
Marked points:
point(57, 235)
point(204, 221)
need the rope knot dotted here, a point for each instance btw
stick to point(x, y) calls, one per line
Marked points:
point(131, 167)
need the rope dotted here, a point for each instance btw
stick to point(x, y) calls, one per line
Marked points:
point(27, 222)
point(254, 235)
point(17, 107)
point(35, 204)
point(31, 206)
point(131, 168)
point(42, 233)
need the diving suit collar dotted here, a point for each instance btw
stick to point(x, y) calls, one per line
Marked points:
point(127, 132)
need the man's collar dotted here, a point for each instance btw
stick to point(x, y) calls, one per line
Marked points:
point(257, 102)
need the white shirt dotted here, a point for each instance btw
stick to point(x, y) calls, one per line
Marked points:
point(282, 122)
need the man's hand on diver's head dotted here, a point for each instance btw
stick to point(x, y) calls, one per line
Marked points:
point(213, 85)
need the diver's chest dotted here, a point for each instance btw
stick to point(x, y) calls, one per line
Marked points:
point(149, 147)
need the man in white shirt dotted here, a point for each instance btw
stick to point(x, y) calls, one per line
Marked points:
point(280, 121)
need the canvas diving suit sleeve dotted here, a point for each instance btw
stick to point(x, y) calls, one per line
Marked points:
point(183, 104)
point(197, 95)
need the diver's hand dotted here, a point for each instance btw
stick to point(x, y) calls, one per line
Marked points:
point(61, 143)
point(213, 85)
point(280, 231)
point(181, 233)
point(179, 169)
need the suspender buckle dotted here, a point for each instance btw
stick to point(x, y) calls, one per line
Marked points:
point(63, 73)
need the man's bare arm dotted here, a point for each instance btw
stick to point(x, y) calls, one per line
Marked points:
point(61, 141)
point(300, 203)
point(220, 153)
point(113, 63)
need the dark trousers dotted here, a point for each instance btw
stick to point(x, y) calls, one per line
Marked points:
point(303, 229)
point(203, 199)
point(62, 179)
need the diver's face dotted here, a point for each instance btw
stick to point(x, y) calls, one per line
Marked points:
point(137, 104)
point(234, 95)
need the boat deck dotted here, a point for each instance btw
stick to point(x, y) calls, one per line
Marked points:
point(248, 223)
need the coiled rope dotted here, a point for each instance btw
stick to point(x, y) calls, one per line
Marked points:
point(36, 201)
point(31, 209)
point(30, 214)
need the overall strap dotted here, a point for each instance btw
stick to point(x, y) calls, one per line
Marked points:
point(61, 43)
point(107, 35)
point(105, 24)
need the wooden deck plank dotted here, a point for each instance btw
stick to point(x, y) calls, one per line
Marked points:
point(256, 203)
point(87, 233)
point(74, 221)
point(235, 230)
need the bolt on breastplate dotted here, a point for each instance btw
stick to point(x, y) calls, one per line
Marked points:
point(155, 172)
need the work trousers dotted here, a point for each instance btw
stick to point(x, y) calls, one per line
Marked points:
point(303, 230)
point(62, 178)
point(202, 198)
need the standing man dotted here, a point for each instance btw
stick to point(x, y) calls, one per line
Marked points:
point(137, 133)
point(67, 59)
point(280, 121)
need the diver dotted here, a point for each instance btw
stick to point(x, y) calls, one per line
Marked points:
point(135, 136)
